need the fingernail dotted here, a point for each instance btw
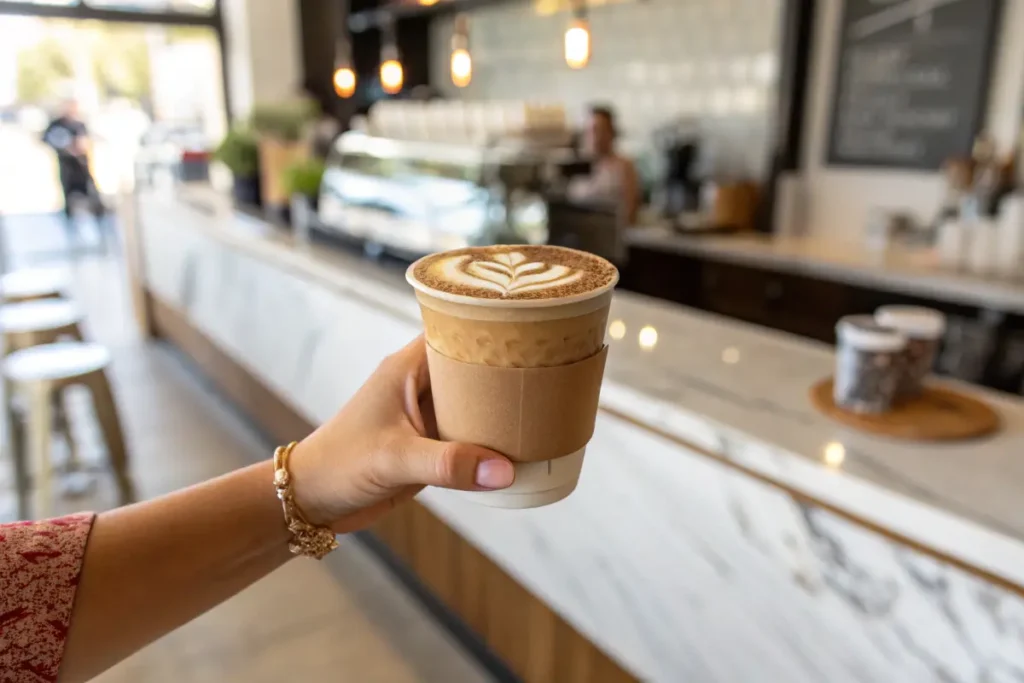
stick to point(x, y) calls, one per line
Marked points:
point(494, 474)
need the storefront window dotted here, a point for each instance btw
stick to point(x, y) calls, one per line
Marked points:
point(187, 6)
point(146, 92)
point(191, 6)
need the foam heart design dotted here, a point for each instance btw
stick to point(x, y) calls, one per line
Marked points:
point(508, 273)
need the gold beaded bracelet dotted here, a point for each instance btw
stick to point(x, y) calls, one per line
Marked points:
point(307, 539)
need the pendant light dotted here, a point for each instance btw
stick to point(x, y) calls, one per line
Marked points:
point(577, 37)
point(392, 76)
point(461, 63)
point(344, 77)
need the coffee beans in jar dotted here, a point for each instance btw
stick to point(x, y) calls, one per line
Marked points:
point(923, 329)
point(867, 365)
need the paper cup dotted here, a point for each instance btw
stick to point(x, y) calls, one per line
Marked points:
point(537, 484)
point(521, 377)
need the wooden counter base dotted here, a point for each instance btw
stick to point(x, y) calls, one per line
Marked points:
point(534, 642)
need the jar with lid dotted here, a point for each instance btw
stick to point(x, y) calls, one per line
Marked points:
point(868, 359)
point(923, 329)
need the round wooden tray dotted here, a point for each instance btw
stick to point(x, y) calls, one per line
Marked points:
point(939, 414)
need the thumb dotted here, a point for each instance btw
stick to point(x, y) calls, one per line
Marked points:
point(449, 465)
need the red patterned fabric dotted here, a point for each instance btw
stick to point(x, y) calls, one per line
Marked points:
point(40, 563)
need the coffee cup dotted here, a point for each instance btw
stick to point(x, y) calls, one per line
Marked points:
point(515, 346)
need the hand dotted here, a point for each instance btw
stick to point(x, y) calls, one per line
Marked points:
point(381, 450)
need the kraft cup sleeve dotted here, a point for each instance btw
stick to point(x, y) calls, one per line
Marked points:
point(527, 414)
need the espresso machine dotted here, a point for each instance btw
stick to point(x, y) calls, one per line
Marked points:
point(679, 189)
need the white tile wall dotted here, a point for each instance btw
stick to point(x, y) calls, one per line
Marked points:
point(715, 61)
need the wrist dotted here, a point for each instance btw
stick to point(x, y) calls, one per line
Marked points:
point(309, 536)
point(306, 477)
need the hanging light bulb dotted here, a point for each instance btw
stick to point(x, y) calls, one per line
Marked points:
point(344, 81)
point(391, 73)
point(461, 62)
point(577, 37)
point(344, 77)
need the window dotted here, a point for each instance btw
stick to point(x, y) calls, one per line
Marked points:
point(189, 6)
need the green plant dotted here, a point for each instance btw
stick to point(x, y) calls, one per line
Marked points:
point(286, 121)
point(41, 71)
point(238, 151)
point(303, 177)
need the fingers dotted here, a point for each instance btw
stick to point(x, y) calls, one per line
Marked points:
point(411, 361)
point(411, 399)
point(429, 416)
point(462, 466)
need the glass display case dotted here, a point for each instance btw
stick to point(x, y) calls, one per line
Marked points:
point(415, 198)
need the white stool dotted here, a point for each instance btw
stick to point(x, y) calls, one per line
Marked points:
point(34, 283)
point(39, 372)
point(40, 321)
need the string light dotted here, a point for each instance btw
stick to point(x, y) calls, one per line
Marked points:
point(577, 37)
point(461, 62)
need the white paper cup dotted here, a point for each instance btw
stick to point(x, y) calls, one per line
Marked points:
point(537, 484)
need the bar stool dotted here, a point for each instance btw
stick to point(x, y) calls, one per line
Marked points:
point(40, 321)
point(40, 371)
point(34, 283)
point(43, 321)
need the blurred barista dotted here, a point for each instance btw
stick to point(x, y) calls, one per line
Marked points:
point(612, 177)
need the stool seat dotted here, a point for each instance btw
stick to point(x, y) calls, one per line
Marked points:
point(40, 373)
point(34, 283)
point(53, 362)
point(38, 316)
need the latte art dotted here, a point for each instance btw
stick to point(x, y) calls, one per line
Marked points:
point(513, 275)
point(506, 274)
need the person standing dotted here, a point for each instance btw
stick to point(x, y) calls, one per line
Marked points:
point(69, 138)
point(612, 178)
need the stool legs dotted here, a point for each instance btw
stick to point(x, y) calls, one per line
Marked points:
point(15, 430)
point(62, 426)
point(110, 423)
point(40, 423)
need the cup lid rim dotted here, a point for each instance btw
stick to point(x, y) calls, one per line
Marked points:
point(862, 332)
point(917, 322)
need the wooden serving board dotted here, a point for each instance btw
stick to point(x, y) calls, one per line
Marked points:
point(939, 414)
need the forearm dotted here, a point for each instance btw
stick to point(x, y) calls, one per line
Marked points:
point(153, 566)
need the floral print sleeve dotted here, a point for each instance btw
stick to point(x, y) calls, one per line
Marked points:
point(40, 564)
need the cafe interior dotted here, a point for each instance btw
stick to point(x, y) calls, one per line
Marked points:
point(808, 456)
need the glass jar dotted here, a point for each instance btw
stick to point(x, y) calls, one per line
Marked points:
point(867, 365)
point(924, 329)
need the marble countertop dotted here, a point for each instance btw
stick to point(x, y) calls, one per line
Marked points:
point(908, 271)
point(738, 393)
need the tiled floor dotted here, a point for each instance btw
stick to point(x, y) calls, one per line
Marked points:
point(342, 620)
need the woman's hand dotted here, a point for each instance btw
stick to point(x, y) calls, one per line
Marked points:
point(381, 449)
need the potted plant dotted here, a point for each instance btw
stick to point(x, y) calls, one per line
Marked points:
point(283, 134)
point(301, 181)
point(240, 153)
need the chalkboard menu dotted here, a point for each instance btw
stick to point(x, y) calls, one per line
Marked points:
point(911, 81)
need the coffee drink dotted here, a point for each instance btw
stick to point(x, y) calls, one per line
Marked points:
point(520, 306)
point(490, 311)
point(514, 274)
